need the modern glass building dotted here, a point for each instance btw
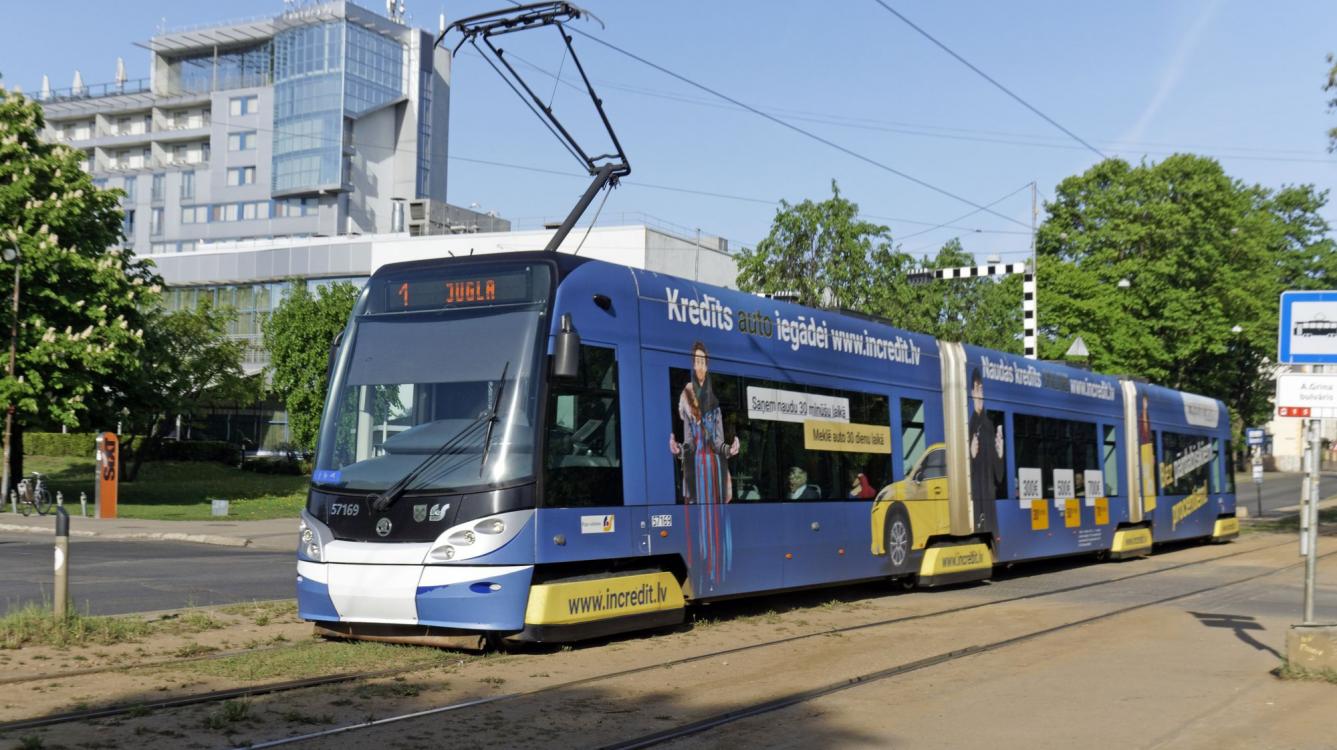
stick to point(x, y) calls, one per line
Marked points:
point(326, 120)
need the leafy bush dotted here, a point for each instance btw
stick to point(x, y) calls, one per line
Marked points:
point(273, 465)
point(199, 450)
point(77, 444)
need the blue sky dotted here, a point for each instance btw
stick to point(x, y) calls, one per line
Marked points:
point(1234, 79)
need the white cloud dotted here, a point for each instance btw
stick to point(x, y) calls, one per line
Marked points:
point(1174, 70)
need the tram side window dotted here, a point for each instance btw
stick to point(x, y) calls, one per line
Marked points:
point(1111, 463)
point(913, 439)
point(772, 463)
point(1230, 467)
point(1185, 463)
point(1216, 465)
point(1047, 444)
point(583, 457)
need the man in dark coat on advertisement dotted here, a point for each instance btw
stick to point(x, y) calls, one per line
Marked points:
point(986, 457)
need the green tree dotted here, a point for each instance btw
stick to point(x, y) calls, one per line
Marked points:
point(83, 300)
point(823, 253)
point(1202, 253)
point(298, 336)
point(1331, 86)
point(190, 365)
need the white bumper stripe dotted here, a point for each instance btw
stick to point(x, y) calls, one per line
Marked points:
point(375, 593)
point(312, 571)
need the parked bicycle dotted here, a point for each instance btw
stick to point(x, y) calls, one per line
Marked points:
point(33, 495)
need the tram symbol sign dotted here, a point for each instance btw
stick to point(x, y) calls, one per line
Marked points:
point(1305, 394)
point(1308, 328)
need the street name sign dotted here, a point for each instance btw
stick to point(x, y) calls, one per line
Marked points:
point(1253, 435)
point(1306, 394)
point(1307, 332)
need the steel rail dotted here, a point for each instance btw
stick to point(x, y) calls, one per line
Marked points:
point(320, 734)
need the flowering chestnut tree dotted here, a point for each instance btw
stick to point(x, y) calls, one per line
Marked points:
point(83, 299)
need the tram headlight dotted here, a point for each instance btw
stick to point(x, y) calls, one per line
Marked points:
point(490, 526)
point(462, 538)
point(444, 552)
point(310, 543)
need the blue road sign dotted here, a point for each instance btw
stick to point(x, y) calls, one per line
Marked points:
point(1253, 435)
point(1308, 328)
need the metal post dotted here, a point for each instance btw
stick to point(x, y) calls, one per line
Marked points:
point(1311, 558)
point(1257, 467)
point(13, 351)
point(62, 587)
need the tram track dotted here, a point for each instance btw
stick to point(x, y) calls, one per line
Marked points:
point(804, 696)
point(218, 696)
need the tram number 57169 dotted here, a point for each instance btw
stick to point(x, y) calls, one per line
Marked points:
point(345, 509)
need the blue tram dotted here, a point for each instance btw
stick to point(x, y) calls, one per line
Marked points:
point(540, 447)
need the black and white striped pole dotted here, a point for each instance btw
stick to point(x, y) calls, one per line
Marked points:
point(1029, 340)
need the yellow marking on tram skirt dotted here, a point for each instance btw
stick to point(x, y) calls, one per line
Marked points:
point(602, 598)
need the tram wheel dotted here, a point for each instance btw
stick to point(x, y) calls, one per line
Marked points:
point(899, 539)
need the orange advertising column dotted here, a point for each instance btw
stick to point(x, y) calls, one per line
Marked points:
point(108, 450)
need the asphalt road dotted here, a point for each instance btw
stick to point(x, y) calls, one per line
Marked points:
point(1278, 491)
point(115, 577)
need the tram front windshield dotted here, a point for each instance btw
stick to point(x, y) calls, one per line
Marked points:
point(426, 360)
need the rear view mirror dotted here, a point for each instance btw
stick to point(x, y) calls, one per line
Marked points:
point(334, 351)
point(566, 350)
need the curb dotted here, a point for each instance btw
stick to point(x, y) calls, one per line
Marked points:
point(163, 536)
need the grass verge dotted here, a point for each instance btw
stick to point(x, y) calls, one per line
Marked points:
point(1289, 671)
point(319, 658)
point(179, 490)
point(34, 625)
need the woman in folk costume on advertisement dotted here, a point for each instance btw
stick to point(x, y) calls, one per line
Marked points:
point(705, 471)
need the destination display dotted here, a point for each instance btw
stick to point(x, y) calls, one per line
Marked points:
point(509, 286)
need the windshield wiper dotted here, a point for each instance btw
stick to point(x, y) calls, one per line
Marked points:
point(496, 404)
point(384, 500)
point(381, 502)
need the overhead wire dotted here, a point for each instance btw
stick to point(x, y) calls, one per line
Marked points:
point(1033, 140)
point(806, 133)
point(989, 78)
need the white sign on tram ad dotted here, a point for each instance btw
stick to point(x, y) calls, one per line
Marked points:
point(1315, 393)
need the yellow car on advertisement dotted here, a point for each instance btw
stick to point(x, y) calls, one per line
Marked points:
point(907, 513)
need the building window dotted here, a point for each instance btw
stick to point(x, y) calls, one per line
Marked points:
point(159, 187)
point(194, 214)
point(244, 141)
point(155, 222)
point(242, 105)
point(128, 185)
point(188, 185)
point(289, 207)
point(241, 176)
point(128, 225)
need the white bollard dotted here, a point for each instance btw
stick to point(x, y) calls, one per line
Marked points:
point(83, 504)
point(60, 499)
